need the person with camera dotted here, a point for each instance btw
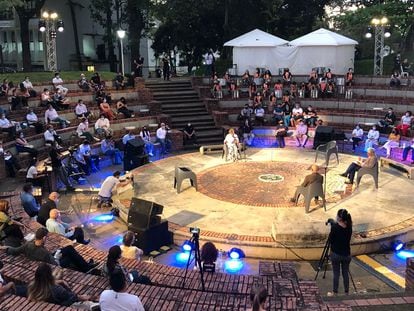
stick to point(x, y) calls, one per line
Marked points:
point(340, 241)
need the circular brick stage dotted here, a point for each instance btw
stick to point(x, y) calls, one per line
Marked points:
point(240, 204)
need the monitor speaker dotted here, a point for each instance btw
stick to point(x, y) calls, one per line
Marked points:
point(152, 238)
point(143, 214)
point(323, 135)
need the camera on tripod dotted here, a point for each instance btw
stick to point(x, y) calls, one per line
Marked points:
point(195, 230)
point(330, 221)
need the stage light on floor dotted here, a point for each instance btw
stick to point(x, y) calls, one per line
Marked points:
point(236, 253)
point(397, 245)
point(233, 265)
point(103, 218)
point(405, 254)
point(187, 246)
point(182, 258)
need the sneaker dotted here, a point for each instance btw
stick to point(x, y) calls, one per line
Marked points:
point(344, 175)
point(86, 242)
point(331, 294)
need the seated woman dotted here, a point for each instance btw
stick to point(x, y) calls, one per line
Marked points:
point(217, 91)
point(313, 77)
point(4, 88)
point(329, 76)
point(310, 116)
point(103, 127)
point(122, 107)
point(60, 101)
point(231, 142)
point(278, 89)
point(406, 121)
point(10, 230)
point(7, 126)
point(287, 77)
point(297, 114)
point(252, 89)
point(354, 167)
point(33, 120)
point(330, 90)
point(258, 296)
point(372, 138)
point(357, 136)
point(81, 111)
point(209, 254)
point(322, 87)
point(234, 89)
point(349, 77)
point(105, 109)
point(46, 99)
point(33, 176)
point(257, 100)
point(23, 146)
point(45, 287)
point(293, 89)
point(392, 142)
point(246, 79)
point(267, 77)
point(112, 264)
point(301, 133)
point(395, 80)
point(83, 130)
point(128, 250)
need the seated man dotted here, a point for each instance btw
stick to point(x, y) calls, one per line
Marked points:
point(189, 134)
point(52, 116)
point(110, 184)
point(312, 178)
point(7, 126)
point(102, 126)
point(310, 116)
point(83, 131)
point(92, 160)
point(51, 137)
point(119, 81)
point(297, 114)
point(407, 149)
point(370, 162)
point(278, 113)
point(12, 164)
point(259, 115)
point(389, 119)
point(30, 206)
point(357, 136)
point(372, 138)
point(83, 83)
point(301, 133)
point(56, 225)
point(81, 111)
point(246, 113)
point(108, 149)
point(36, 250)
point(128, 136)
point(281, 132)
point(349, 77)
point(60, 101)
point(29, 87)
point(58, 84)
point(33, 120)
point(44, 211)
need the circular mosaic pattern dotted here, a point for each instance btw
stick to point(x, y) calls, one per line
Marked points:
point(271, 178)
point(242, 183)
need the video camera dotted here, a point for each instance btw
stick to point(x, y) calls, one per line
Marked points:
point(195, 230)
point(330, 221)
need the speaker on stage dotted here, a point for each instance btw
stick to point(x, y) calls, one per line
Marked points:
point(323, 135)
point(152, 238)
point(135, 155)
point(143, 214)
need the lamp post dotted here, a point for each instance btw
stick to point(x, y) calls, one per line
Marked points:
point(121, 36)
point(380, 33)
point(50, 26)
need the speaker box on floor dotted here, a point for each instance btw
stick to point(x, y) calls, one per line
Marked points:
point(323, 135)
point(144, 214)
point(152, 238)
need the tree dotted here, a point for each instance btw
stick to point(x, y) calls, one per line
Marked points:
point(26, 10)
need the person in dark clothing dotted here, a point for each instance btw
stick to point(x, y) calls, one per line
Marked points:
point(340, 241)
point(29, 203)
point(281, 133)
point(189, 134)
point(389, 119)
point(58, 169)
point(10, 287)
point(166, 67)
point(44, 211)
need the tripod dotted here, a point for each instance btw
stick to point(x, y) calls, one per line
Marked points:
point(197, 259)
point(324, 261)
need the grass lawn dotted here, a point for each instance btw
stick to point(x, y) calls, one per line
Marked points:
point(47, 76)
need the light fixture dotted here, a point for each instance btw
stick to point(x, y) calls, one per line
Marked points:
point(368, 35)
point(384, 20)
point(42, 25)
point(121, 33)
point(397, 245)
point(387, 33)
point(236, 253)
point(187, 246)
point(45, 14)
point(375, 21)
point(53, 34)
point(53, 15)
point(60, 26)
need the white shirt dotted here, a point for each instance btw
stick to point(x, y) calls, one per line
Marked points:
point(231, 139)
point(84, 149)
point(209, 59)
point(57, 80)
point(102, 123)
point(131, 252)
point(296, 111)
point(31, 172)
point(27, 84)
point(358, 133)
point(49, 136)
point(161, 133)
point(406, 120)
point(32, 117)
point(373, 134)
point(126, 138)
point(82, 127)
point(81, 109)
point(113, 301)
point(5, 123)
point(106, 189)
point(301, 129)
point(259, 112)
point(51, 114)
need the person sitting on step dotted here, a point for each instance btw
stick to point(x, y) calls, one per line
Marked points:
point(392, 142)
point(301, 133)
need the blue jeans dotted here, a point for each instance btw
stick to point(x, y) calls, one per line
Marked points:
point(286, 120)
point(339, 262)
point(164, 144)
point(406, 150)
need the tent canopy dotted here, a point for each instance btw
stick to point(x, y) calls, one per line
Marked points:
point(256, 38)
point(322, 37)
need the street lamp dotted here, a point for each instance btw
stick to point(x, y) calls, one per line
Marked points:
point(49, 25)
point(380, 33)
point(121, 35)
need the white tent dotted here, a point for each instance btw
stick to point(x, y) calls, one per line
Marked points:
point(320, 48)
point(254, 50)
point(323, 48)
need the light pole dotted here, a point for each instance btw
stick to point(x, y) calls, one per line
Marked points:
point(50, 25)
point(121, 36)
point(380, 33)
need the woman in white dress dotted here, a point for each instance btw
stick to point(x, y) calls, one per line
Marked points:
point(231, 142)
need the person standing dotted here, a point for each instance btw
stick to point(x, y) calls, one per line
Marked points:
point(58, 169)
point(166, 67)
point(209, 60)
point(340, 242)
point(162, 138)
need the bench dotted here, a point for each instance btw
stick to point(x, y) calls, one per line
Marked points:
point(393, 163)
point(211, 149)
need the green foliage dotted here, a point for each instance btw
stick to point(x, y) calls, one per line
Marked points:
point(7, 4)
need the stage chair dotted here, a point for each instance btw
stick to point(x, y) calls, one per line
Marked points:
point(182, 173)
point(373, 171)
point(327, 149)
point(309, 192)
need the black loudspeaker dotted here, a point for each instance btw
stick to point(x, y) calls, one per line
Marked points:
point(152, 238)
point(135, 146)
point(134, 161)
point(143, 214)
point(323, 135)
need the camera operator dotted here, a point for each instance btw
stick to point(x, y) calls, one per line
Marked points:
point(340, 238)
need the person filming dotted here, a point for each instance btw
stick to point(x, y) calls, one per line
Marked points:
point(340, 240)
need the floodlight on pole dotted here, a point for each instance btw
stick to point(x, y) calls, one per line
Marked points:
point(121, 35)
point(380, 33)
point(50, 26)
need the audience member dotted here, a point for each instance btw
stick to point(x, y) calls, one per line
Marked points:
point(259, 115)
point(58, 84)
point(281, 133)
point(161, 136)
point(10, 287)
point(407, 149)
point(52, 137)
point(46, 288)
point(106, 110)
point(60, 101)
point(217, 90)
point(406, 121)
point(278, 113)
point(357, 136)
point(110, 184)
point(395, 80)
point(29, 87)
point(58, 169)
point(33, 120)
point(231, 143)
point(245, 132)
point(33, 176)
point(81, 111)
point(103, 127)
point(46, 99)
point(370, 162)
point(10, 230)
point(301, 133)
point(313, 77)
point(119, 81)
point(4, 88)
point(23, 146)
point(310, 116)
point(96, 82)
point(83, 131)
point(92, 160)
point(389, 119)
point(108, 149)
point(56, 225)
point(52, 116)
point(146, 137)
point(122, 107)
point(30, 206)
point(8, 126)
point(297, 114)
point(287, 77)
point(258, 296)
point(189, 134)
point(392, 142)
point(246, 113)
point(313, 178)
point(117, 298)
point(372, 138)
point(83, 83)
point(329, 76)
point(44, 211)
point(349, 77)
point(128, 249)
point(12, 164)
point(127, 137)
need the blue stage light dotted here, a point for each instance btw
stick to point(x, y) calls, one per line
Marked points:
point(405, 254)
point(103, 218)
point(233, 265)
point(236, 253)
point(397, 245)
point(187, 246)
point(182, 258)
